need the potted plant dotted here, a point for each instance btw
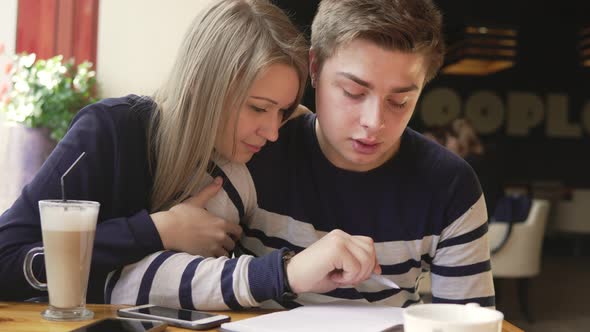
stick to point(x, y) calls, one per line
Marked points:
point(38, 100)
point(47, 93)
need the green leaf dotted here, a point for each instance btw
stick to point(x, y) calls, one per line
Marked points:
point(48, 93)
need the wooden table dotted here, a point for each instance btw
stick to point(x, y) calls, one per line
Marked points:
point(25, 317)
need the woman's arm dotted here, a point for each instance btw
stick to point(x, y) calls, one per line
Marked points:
point(120, 239)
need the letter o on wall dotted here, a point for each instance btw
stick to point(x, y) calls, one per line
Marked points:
point(439, 107)
point(485, 110)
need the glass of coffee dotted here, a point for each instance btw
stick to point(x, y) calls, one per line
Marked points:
point(68, 229)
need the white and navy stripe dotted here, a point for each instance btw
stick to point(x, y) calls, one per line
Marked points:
point(193, 282)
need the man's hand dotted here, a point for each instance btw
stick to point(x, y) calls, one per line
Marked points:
point(189, 227)
point(338, 259)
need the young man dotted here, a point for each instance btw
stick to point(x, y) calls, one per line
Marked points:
point(355, 168)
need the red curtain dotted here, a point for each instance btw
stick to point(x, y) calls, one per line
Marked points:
point(52, 27)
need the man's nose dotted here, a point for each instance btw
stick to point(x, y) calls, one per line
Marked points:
point(371, 117)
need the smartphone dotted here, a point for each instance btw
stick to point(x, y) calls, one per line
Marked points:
point(190, 319)
point(123, 325)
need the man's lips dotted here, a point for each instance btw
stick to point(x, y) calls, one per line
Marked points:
point(365, 146)
point(367, 141)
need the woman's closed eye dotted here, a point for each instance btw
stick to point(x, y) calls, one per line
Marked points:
point(258, 109)
point(283, 112)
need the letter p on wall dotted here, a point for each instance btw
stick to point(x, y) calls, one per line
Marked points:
point(525, 111)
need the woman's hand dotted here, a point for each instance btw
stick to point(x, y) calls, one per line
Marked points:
point(338, 259)
point(189, 227)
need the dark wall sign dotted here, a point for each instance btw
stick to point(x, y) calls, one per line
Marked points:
point(511, 113)
point(535, 136)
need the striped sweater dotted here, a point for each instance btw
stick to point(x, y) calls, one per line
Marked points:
point(424, 209)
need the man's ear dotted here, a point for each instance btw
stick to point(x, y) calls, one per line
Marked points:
point(313, 67)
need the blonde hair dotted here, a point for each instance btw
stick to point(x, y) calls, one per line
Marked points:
point(227, 46)
point(403, 25)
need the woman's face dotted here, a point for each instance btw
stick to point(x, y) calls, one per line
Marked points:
point(259, 119)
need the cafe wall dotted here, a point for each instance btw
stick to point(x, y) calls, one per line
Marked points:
point(8, 23)
point(8, 10)
point(138, 41)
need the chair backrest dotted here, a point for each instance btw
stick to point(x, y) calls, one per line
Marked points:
point(521, 255)
point(572, 216)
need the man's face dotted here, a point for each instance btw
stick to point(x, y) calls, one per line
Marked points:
point(365, 97)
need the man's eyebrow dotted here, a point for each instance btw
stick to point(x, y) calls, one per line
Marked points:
point(368, 85)
point(264, 98)
point(403, 89)
point(355, 79)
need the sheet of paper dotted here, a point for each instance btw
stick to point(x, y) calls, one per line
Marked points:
point(342, 317)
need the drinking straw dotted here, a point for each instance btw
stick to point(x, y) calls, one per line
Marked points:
point(63, 191)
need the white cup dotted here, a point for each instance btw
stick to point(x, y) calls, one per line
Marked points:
point(440, 317)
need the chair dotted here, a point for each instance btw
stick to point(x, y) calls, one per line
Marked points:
point(571, 218)
point(517, 249)
point(424, 287)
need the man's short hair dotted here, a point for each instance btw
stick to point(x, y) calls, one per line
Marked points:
point(413, 26)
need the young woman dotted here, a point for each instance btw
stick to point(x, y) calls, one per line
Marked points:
point(180, 279)
point(240, 71)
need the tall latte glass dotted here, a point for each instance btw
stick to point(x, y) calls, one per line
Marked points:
point(68, 229)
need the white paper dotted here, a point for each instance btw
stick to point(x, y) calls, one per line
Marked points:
point(342, 317)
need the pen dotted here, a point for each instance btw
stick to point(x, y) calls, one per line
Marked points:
point(383, 281)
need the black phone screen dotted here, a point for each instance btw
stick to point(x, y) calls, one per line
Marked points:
point(118, 325)
point(182, 314)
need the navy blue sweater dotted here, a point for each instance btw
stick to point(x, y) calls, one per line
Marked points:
point(114, 172)
point(423, 208)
